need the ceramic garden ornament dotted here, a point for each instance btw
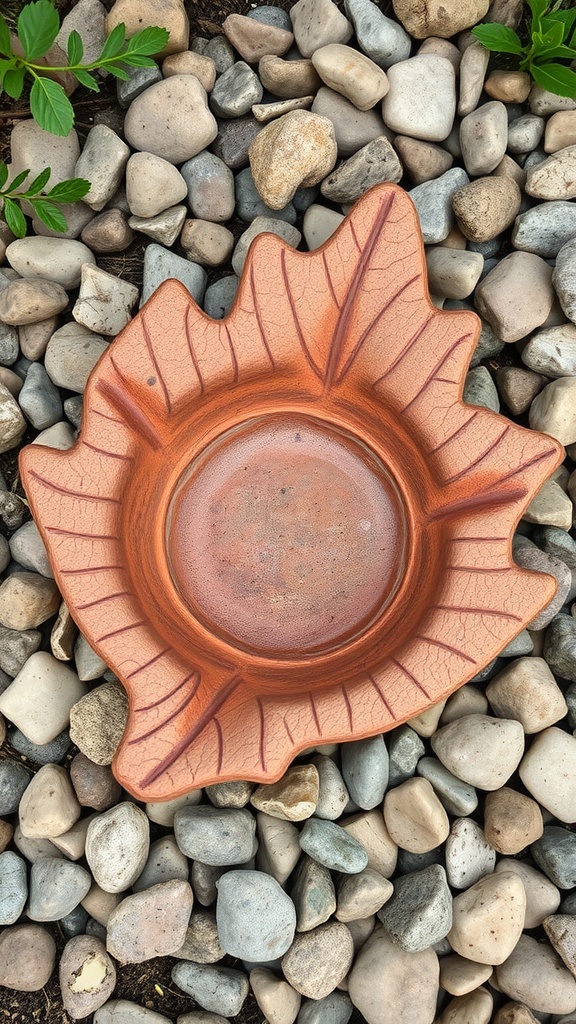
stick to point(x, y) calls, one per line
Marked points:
point(285, 528)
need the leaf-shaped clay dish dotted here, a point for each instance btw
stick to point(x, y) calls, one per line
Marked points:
point(285, 528)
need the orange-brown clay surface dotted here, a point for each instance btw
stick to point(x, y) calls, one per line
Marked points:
point(285, 528)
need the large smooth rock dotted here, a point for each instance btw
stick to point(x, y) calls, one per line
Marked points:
point(488, 918)
point(39, 699)
point(298, 149)
point(390, 986)
point(117, 846)
point(150, 923)
point(256, 920)
point(534, 974)
point(171, 119)
point(421, 101)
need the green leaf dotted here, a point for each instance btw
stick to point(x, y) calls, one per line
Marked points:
point(17, 181)
point(14, 217)
point(566, 18)
point(5, 43)
point(555, 78)
point(499, 38)
point(38, 25)
point(137, 60)
point(148, 40)
point(551, 38)
point(538, 8)
point(14, 82)
point(3, 174)
point(75, 48)
point(69, 191)
point(118, 72)
point(50, 106)
point(39, 182)
point(114, 43)
point(49, 214)
point(86, 79)
point(565, 52)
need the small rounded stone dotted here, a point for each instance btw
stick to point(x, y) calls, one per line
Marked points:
point(414, 816)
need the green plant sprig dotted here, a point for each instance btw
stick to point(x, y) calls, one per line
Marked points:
point(552, 39)
point(44, 205)
point(37, 27)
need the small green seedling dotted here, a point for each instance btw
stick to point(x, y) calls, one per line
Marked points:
point(552, 40)
point(37, 27)
point(44, 205)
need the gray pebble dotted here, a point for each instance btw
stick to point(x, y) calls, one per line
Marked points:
point(410, 862)
point(521, 645)
point(27, 548)
point(433, 201)
point(524, 133)
point(56, 887)
point(545, 228)
point(139, 79)
point(95, 928)
point(45, 753)
point(333, 1009)
point(165, 862)
point(365, 771)
point(219, 989)
point(221, 52)
point(40, 399)
point(375, 163)
point(160, 264)
point(199, 44)
point(570, 698)
point(215, 836)
point(568, 905)
point(555, 854)
point(560, 646)
point(13, 887)
point(456, 796)
point(486, 249)
point(382, 39)
point(235, 91)
point(234, 139)
point(419, 913)
point(75, 922)
point(313, 894)
point(122, 1011)
point(16, 646)
point(220, 295)
point(89, 665)
point(254, 916)
point(564, 279)
point(480, 389)
point(4, 553)
point(331, 846)
point(332, 793)
point(9, 348)
point(274, 16)
point(14, 778)
point(73, 409)
point(529, 556)
point(258, 226)
point(203, 878)
point(304, 197)
point(405, 749)
point(210, 187)
point(249, 204)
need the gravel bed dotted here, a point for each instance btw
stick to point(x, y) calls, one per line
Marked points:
point(427, 875)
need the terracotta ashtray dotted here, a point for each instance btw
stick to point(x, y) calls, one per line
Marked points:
point(285, 528)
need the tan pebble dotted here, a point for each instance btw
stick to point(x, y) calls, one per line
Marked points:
point(560, 131)
point(441, 48)
point(508, 86)
point(189, 63)
point(297, 149)
point(277, 999)
point(438, 18)
point(49, 806)
point(206, 243)
point(511, 820)
point(317, 23)
point(550, 506)
point(389, 985)
point(459, 975)
point(362, 895)
point(473, 1008)
point(279, 850)
point(548, 770)
point(480, 750)
point(152, 185)
point(288, 79)
point(527, 691)
point(6, 833)
point(561, 930)
point(554, 178)
point(63, 634)
point(34, 338)
point(318, 960)
point(11, 381)
point(426, 722)
point(352, 74)
point(468, 700)
point(488, 918)
point(516, 296)
point(361, 930)
point(100, 904)
point(508, 168)
point(171, 119)
point(369, 828)
point(454, 239)
point(534, 974)
point(30, 300)
point(201, 943)
point(163, 813)
point(264, 112)
point(293, 797)
point(453, 273)
point(414, 816)
point(139, 14)
point(514, 1013)
point(253, 39)
point(542, 896)
point(486, 207)
point(554, 410)
point(98, 720)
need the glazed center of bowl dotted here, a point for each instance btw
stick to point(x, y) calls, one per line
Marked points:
point(286, 536)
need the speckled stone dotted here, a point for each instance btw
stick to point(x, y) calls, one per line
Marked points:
point(256, 920)
point(318, 960)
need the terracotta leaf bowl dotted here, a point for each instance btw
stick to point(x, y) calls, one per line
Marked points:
point(286, 528)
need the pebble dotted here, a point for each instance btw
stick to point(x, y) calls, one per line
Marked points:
point(554, 178)
point(517, 388)
point(511, 820)
point(488, 918)
point(535, 975)
point(210, 186)
point(361, 895)
point(219, 296)
point(421, 102)
point(234, 140)
point(319, 224)
point(27, 548)
point(419, 913)
point(542, 897)
point(171, 119)
point(262, 225)
point(221, 52)
point(277, 1000)
point(279, 849)
point(271, 16)
point(31, 256)
point(433, 202)
point(217, 989)
point(414, 816)
point(389, 985)
point(480, 750)
point(365, 771)
point(256, 920)
point(564, 278)
point(525, 133)
point(293, 797)
point(32, 147)
point(453, 273)
point(456, 796)
point(405, 750)
point(560, 646)
point(48, 806)
point(206, 243)
point(468, 855)
point(555, 853)
point(29, 300)
point(529, 556)
point(497, 297)
point(33, 338)
point(150, 923)
point(204, 879)
point(73, 842)
point(527, 692)
point(98, 720)
point(34, 849)
point(554, 410)
point(9, 350)
point(254, 39)
point(353, 128)
point(374, 163)
point(27, 599)
point(215, 836)
point(117, 846)
point(552, 351)
point(13, 887)
point(171, 16)
point(298, 149)
point(164, 228)
point(560, 930)
point(486, 207)
point(100, 904)
point(288, 79)
point(163, 813)
point(473, 67)
point(104, 301)
point(460, 976)
point(39, 699)
point(71, 354)
point(264, 112)
point(236, 91)
point(313, 894)
point(121, 1011)
point(27, 957)
point(160, 264)
point(201, 943)
point(87, 975)
point(370, 830)
point(317, 23)
point(382, 39)
point(333, 795)
point(87, 18)
point(560, 131)
point(164, 864)
point(56, 888)
point(329, 844)
point(318, 960)
point(44, 753)
point(351, 73)
point(189, 63)
point(545, 228)
point(435, 18)
point(422, 160)
point(102, 162)
point(89, 665)
point(484, 137)
point(230, 794)
point(547, 771)
point(152, 185)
